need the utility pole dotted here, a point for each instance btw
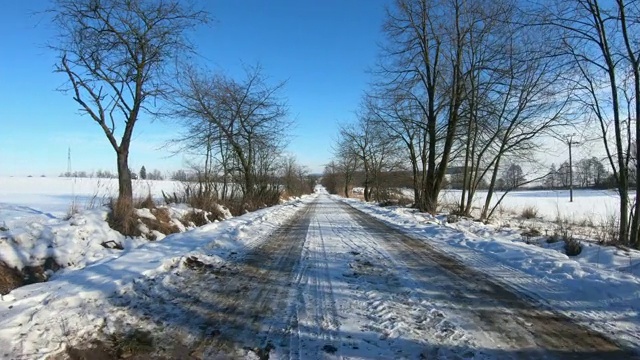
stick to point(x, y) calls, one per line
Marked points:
point(571, 142)
point(69, 162)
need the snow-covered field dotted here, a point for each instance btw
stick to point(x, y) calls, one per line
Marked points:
point(594, 206)
point(103, 290)
point(63, 218)
point(53, 196)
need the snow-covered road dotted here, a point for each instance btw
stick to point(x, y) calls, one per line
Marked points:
point(337, 283)
point(327, 282)
point(366, 290)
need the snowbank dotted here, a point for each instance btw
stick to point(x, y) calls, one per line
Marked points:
point(39, 320)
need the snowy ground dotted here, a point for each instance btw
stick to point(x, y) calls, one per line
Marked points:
point(53, 197)
point(314, 278)
point(588, 206)
point(64, 219)
point(37, 320)
point(600, 288)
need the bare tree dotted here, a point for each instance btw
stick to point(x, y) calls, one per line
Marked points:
point(367, 146)
point(243, 124)
point(513, 176)
point(458, 83)
point(330, 178)
point(422, 62)
point(347, 163)
point(399, 114)
point(357, 141)
point(114, 54)
point(295, 177)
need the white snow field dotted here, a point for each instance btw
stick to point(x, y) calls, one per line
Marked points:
point(595, 206)
point(64, 218)
point(309, 279)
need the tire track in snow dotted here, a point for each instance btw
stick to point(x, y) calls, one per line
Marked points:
point(314, 321)
point(521, 329)
point(374, 314)
point(245, 306)
point(405, 323)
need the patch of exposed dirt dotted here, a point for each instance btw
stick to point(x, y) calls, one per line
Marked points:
point(12, 278)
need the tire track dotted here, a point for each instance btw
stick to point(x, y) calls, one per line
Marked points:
point(511, 319)
point(248, 310)
point(384, 319)
point(314, 320)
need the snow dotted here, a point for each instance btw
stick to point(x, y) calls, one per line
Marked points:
point(348, 284)
point(40, 221)
point(53, 197)
point(599, 288)
point(593, 206)
point(76, 303)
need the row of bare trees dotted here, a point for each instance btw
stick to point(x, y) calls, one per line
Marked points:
point(588, 172)
point(479, 83)
point(457, 83)
point(123, 58)
point(239, 130)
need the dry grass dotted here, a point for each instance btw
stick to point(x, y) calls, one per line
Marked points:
point(123, 217)
point(145, 203)
point(608, 232)
point(529, 212)
point(395, 198)
point(195, 218)
point(72, 210)
point(162, 223)
point(10, 278)
point(449, 207)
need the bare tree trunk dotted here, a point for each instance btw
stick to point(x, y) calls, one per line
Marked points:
point(467, 174)
point(490, 190)
point(347, 181)
point(634, 239)
point(125, 189)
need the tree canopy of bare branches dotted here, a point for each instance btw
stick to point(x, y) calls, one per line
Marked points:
point(458, 83)
point(241, 126)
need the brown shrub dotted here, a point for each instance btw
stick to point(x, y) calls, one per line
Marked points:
point(236, 207)
point(11, 278)
point(572, 247)
point(162, 223)
point(146, 202)
point(204, 201)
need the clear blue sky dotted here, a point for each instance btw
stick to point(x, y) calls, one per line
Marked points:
point(322, 48)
